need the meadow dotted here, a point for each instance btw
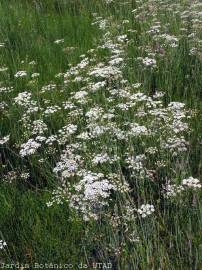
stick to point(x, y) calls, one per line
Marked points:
point(100, 134)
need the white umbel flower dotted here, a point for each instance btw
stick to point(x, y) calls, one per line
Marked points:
point(3, 244)
point(29, 148)
point(191, 182)
point(21, 73)
point(146, 210)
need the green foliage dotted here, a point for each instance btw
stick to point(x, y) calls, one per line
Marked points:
point(36, 233)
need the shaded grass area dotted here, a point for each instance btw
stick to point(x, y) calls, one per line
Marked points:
point(44, 235)
point(31, 228)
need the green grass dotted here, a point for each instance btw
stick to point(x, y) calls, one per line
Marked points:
point(36, 233)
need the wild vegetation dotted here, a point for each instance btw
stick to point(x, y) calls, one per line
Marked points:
point(100, 134)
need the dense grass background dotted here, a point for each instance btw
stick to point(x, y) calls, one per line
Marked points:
point(35, 233)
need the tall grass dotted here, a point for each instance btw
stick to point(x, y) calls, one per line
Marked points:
point(168, 239)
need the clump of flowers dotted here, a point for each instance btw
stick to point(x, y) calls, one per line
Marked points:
point(172, 190)
point(4, 140)
point(29, 148)
point(146, 210)
point(114, 128)
point(191, 183)
point(21, 73)
point(3, 244)
point(149, 62)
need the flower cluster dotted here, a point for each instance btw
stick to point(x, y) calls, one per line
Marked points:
point(114, 126)
point(191, 183)
point(21, 73)
point(4, 140)
point(3, 244)
point(29, 148)
point(146, 210)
